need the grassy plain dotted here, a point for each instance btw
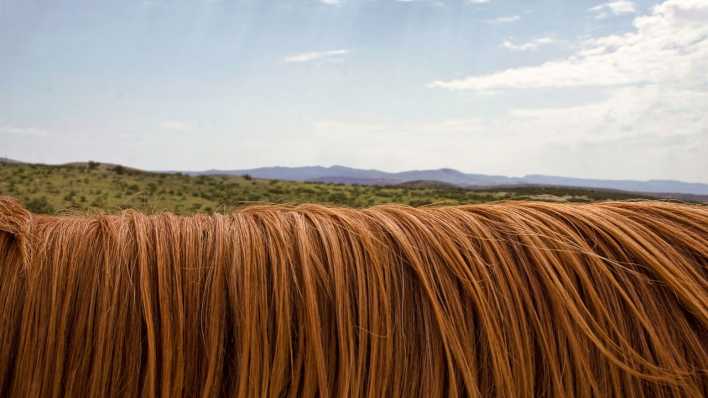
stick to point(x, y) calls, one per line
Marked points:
point(93, 186)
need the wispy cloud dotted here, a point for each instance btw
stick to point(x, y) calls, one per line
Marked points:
point(314, 55)
point(331, 2)
point(436, 3)
point(175, 125)
point(534, 44)
point(669, 45)
point(620, 7)
point(478, 1)
point(654, 94)
point(505, 19)
point(27, 131)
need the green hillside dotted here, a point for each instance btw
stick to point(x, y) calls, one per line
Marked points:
point(94, 186)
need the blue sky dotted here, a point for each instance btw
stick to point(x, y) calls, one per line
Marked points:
point(578, 88)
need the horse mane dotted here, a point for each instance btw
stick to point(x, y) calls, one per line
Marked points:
point(512, 299)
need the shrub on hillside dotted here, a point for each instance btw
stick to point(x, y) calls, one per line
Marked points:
point(40, 205)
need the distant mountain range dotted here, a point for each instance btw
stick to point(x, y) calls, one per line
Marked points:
point(348, 175)
point(451, 177)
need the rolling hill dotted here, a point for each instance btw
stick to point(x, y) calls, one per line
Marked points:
point(92, 186)
point(347, 175)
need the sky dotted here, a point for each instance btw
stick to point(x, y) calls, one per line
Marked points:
point(593, 89)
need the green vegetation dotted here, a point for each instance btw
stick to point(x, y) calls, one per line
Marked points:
point(95, 186)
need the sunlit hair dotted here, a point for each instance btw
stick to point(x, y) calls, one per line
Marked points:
point(493, 300)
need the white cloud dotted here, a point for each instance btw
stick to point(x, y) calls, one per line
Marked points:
point(652, 113)
point(478, 1)
point(656, 131)
point(331, 2)
point(175, 125)
point(629, 112)
point(506, 19)
point(530, 45)
point(638, 132)
point(668, 46)
point(620, 7)
point(26, 131)
point(314, 55)
point(435, 3)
